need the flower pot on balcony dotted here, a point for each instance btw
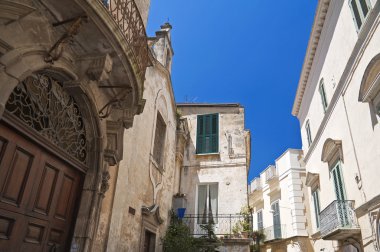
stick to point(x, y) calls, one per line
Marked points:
point(244, 234)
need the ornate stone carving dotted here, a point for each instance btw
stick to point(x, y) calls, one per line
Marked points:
point(330, 148)
point(104, 186)
point(114, 150)
point(100, 68)
point(56, 50)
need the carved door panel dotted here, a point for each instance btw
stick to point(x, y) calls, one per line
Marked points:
point(38, 196)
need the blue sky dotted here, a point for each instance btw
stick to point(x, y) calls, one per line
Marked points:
point(245, 51)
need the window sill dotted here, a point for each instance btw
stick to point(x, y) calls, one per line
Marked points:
point(207, 154)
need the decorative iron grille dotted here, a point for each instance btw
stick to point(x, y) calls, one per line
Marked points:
point(339, 214)
point(127, 16)
point(41, 103)
point(224, 223)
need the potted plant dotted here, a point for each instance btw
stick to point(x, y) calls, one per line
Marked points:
point(246, 221)
point(236, 229)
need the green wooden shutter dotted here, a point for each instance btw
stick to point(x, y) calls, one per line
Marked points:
point(316, 206)
point(207, 133)
point(200, 134)
point(214, 133)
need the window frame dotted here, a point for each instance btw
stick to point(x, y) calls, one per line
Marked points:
point(159, 162)
point(308, 132)
point(359, 8)
point(199, 221)
point(201, 138)
point(260, 215)
point(317, 206)
point(322, 92)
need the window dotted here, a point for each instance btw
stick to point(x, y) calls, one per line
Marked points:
point(207, 203)
point(323, 94)
point(159, 141)
point(315, 195)
point(359, 9)
point(276, 219)
point(207, 134)
point(308, 133)
point(260, 223)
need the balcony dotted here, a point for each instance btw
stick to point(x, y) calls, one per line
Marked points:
point(255, 185)
point(270, 173)
point(275, 232)
point(225, 224)
point(127, 16)
point(338, 221)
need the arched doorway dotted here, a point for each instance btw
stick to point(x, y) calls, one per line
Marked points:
point(43, 157)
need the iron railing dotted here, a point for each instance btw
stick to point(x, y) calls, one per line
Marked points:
point(274, 232)
point(127, 16)
point(225, 224)
point(255, 185)
point(339, 214)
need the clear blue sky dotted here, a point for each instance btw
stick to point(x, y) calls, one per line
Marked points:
point(245, 51)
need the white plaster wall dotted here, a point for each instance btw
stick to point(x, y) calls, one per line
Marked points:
point(359, 133)
point(290, 191)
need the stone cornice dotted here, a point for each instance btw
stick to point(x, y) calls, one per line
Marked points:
point(316, 31)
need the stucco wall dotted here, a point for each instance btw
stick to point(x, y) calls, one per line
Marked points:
point(229, 171)
point(347, 119)
point(140, 183)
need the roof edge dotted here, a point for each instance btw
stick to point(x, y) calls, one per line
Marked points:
point(315, 35)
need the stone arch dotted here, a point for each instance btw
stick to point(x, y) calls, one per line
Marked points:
point(370, 85)
point(331, 150)
point(21, 63)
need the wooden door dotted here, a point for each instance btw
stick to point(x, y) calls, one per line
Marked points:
point(39, 196)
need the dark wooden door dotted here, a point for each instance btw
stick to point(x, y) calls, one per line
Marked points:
point(39, 196)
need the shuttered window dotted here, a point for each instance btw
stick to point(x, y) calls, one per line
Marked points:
point(359, 9)
point(260, 223)
point(207, 133)
point(308, 133)
point(323, 95)
point(316, 206)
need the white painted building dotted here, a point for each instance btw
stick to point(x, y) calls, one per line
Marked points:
point(338, 106)
point(279, 201)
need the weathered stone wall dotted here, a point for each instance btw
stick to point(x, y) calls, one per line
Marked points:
point(228, 168)
point(143, 6)
point(140, 182)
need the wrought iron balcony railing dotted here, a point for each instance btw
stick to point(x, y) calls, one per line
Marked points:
point(255, 185)
point(127, 16)
point(274, 232)
point(225, 224)
point(338, 217)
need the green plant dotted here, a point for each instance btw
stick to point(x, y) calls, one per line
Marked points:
point(245, 223)
point(236, 229)
point(178, 237)
point(208, 242)
point(258, 236)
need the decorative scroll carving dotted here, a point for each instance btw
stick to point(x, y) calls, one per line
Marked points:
point(56, 50)
point(127, 15)
point(105, 185)
point(41, 103)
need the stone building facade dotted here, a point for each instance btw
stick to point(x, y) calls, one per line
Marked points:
point(280, 206)
point(141, 199)
point(215, 161)
point(337, 104)
point(71, 81)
